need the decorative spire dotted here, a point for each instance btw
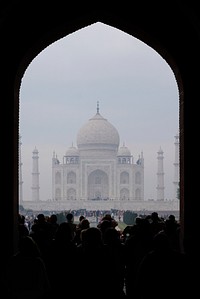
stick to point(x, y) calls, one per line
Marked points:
point(97, 107)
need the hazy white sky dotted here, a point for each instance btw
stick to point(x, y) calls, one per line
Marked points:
point(134, 85)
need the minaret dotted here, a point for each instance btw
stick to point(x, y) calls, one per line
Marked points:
point(160, 176)
point(35, 177)
point(176, 166)
point(20, 173)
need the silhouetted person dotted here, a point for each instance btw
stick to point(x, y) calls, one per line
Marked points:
point(62, 263)
point(93, 266)
point(162, 272)
point(137, 246)
point(115, 251)
point(70, 220)
point(42, 234)
point(84, 224)
point(172, 229)
point(22, 227)
point(54, 225)
point(156, 223)
point(26, 272)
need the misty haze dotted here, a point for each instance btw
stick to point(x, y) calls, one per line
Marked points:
point(132, 162)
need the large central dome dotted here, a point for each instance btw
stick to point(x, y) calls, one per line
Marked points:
point(98, 133)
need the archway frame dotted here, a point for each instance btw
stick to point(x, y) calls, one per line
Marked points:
point(59, 29)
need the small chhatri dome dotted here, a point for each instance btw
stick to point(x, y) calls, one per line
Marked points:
point(124, 151)
point(35, 151)
point(98, 132)
point(72, 152)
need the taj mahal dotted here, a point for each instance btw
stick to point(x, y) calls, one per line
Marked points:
point(99, 174)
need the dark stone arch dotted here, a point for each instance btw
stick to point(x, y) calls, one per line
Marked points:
point(26, 31)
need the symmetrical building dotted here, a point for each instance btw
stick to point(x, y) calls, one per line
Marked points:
point(98, 169)
point(99, 174)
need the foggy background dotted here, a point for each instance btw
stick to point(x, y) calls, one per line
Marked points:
point(136, 90)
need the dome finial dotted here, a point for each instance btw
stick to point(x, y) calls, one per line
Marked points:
point(97, 107)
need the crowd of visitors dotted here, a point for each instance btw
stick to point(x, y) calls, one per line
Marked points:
point(145, 260)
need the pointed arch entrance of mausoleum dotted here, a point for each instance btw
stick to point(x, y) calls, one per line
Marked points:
point(98, 185)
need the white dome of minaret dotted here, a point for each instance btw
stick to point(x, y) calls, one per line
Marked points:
point(124, 151)
point(72, 151)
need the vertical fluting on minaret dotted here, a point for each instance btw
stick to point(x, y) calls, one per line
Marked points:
point(35, 176)
point(160, 176)
point(176, 167)
point(20, 173)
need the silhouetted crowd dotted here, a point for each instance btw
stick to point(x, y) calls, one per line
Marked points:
point(145, 260)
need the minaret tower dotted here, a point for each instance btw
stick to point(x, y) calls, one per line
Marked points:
point(20, 173)
point(160, 176)
point(176, 166)
point(35, 177)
